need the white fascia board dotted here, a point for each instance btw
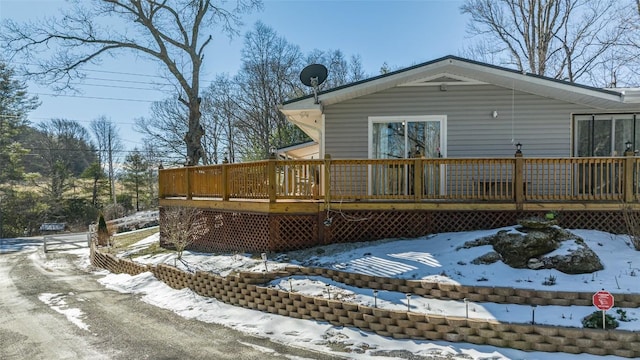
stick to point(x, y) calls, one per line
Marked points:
point(539, 86)
point(308, 120)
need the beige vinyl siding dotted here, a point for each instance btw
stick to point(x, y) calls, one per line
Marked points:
point(541, 124)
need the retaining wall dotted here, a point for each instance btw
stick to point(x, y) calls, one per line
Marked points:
point(244, 290)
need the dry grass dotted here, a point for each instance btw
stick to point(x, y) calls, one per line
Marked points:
point(123, 241)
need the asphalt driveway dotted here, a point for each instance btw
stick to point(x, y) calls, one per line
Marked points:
point(51, 309)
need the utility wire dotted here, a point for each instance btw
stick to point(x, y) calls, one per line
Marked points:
point(94, 97)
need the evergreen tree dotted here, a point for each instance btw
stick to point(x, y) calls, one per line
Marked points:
point(15, 104)
point(103, 231)
point(136, 177)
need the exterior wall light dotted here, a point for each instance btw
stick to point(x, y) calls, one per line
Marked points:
point(518, 148)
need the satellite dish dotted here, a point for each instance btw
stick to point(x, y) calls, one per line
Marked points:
point(313, 75)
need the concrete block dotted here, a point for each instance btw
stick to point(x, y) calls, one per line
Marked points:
point(497, 342)
point(520, 345)
point(345, 321)
point(487, 333)
point(355, 315)
point(416, 317)
point(414, 333)
point(625, 353)
point(500, 299)
point(542, 346)
point(504, 291)
point(596, 334)
point(387, 321)
point(436, 319)
point(509, 335)
point(596, 351)
point(475, 339)
point(370, 318)
point(398, 314)
point(361, 324)
point(383, 333)
point(432, 335)
point(456, 321)
point(453, 337)
point(624, 336)
point(424, 326)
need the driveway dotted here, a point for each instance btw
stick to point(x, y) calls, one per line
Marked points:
point(51, 309)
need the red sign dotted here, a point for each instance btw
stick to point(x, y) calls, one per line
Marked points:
point(603, 300)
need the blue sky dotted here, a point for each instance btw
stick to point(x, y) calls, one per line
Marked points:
point(400, 33)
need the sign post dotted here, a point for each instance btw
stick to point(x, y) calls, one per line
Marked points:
point(603, 300)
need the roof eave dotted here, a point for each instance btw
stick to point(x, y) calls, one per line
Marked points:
point(485, 73)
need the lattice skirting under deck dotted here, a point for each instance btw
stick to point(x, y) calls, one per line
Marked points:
point(255, 232)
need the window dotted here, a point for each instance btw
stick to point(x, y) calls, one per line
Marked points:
point(605, 134)
point(405, 137)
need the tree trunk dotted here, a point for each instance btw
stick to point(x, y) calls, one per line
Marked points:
point(193, 138)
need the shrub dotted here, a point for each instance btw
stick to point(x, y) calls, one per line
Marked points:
point(632, 224)
point(103, 231)
point(181, 226)
point(594, 321)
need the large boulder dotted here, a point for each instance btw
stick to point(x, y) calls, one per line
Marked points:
point(573, 258)
point(516, 249)
point(538, 243)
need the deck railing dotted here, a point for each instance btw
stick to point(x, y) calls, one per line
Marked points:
point(518, 179)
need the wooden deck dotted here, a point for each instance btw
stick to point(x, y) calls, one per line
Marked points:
point(598, 183)
point(280, 205)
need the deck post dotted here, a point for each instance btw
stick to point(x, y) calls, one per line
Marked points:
point(225, 181)
point(327, 178)
point(161, 182)
point(187, 178)
point(628, 175)
point(418, 173)
point(271, 173)
point(518, 180)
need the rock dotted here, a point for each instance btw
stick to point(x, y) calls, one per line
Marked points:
point(578, 259)
point(516, 249)
point(537, 223)
point(488, 258)
point(488, 240)
point(534, 246)
point(535, 264)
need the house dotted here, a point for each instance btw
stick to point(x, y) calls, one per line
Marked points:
point(448, 145)
point(453, 107)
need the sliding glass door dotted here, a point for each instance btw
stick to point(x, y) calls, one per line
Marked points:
point(404, 138)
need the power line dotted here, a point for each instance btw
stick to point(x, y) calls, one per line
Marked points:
point(129, 81)
point(113, 72)
point(117, 86)
point(94, 97)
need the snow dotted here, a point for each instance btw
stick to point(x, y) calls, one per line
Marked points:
point(436, 258)
point(57, 303)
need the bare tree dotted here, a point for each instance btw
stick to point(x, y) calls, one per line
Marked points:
point(164, 129)
point(563, 39)
point(340, 70)
point(270, 69)
point(220, 111)
point(170, 33)
point(181, 226)
point(109, 147)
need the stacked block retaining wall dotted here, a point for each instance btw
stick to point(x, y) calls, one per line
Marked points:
point(244, 290)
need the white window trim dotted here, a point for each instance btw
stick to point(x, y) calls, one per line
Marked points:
point(410, 118)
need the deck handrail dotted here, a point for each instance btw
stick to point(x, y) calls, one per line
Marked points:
point(514, 180)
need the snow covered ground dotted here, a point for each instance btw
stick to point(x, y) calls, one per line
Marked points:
point(435, 258)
